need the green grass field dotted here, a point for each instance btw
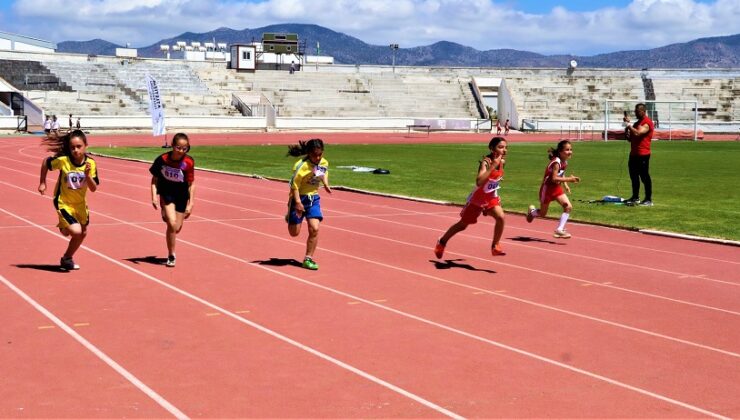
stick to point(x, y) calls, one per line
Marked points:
point(695, 184)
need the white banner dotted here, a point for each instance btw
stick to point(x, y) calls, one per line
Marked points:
point(156, 109)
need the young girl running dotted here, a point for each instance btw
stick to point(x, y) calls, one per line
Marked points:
point(552, 187)
point(304, 201)
point(484, 199)
point(173, 189)
point(77, 173)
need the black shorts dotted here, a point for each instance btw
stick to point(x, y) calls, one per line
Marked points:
point(179, 199)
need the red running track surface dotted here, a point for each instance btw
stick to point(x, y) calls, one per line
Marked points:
point(608, 324)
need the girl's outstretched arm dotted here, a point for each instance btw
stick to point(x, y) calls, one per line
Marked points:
point(325, 181)
point(91, 185)
point(155, 199)
point(42, 176)
point(191, 200)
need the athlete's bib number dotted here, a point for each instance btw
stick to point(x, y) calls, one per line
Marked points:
point(75, 180)
point(491, 186)
point(173, 174)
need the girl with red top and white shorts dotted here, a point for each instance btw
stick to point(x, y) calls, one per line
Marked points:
point(553, 185)
point(484, 199)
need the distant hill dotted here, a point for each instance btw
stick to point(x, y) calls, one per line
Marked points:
point(716, 52)
point(96, 47)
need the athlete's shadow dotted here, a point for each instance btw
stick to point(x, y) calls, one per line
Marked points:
point(531, 239)
point(279, 262)
point(43, 267)
point(150, 259)
point(447, 264)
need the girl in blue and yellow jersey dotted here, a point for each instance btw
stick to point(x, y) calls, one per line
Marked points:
point(309, 174)
point(78, 173)
point(173, 189)
point(484, 199)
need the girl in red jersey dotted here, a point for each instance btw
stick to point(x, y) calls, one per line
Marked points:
point(484, 199)
point(552, 187)
point(173, 176)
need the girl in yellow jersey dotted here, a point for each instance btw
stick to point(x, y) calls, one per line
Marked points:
point(309, 174)
point(77, 173)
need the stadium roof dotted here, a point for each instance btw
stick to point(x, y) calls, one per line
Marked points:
point(28, 40)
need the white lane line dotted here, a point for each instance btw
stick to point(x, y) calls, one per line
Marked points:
point(252, 324)
point(94, 350)
point(385, 308)
point(463, 285)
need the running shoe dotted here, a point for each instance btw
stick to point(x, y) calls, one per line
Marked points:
point(561, 234)
point(647, 203)
point(170, 261)
point(439, 250)
point(530, 214)
point(497, 251)
point(68, 264)
point(310, 264)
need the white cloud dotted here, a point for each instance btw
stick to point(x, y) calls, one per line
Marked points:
point(481, 24)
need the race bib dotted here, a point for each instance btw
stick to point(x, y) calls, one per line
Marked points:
point(491, 186)
point(75, 180)
point(319, 171)
point(173, 174)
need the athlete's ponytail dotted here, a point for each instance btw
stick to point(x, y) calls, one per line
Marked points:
point(305, 147)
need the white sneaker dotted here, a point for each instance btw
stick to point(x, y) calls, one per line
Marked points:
point(561, 234)
point(170, 261)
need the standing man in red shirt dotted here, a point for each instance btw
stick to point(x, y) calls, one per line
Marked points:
point(640, 134)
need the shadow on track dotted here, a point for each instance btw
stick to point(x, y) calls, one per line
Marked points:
point(54, 268)
point(279, 262)
point(150, 259)
point(447, 264)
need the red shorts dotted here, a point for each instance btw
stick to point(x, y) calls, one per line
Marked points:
point(469, 214)
point(550, 192)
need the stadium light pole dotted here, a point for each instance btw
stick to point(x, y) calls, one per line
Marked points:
point(394, 47)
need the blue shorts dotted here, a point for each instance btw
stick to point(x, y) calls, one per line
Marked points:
point(312, 204)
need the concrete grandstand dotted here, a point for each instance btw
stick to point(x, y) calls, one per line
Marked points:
point(110, 93)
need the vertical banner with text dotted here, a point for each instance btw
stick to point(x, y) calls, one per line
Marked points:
point(155, 106)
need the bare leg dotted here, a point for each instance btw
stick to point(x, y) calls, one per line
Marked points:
point(77, 234)
point(313, 236)
point(174, 224)
point(452, 231)
point(498, 231)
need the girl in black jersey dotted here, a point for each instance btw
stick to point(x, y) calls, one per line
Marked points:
point(173, 189)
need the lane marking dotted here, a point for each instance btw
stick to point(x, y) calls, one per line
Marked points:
point(46, 327)
point(382, 307)
point(443, 280)
point(94, 350)
point(81, 324)
point(252, 324)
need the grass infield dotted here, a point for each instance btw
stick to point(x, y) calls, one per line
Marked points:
point(695, 184)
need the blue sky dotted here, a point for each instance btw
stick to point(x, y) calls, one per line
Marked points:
point(545, 26)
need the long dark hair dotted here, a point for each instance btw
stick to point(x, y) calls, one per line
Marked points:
point(305, 147)
point(553, 152)
point(59, 145)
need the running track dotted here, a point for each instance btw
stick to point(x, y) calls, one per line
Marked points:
point(608, 324)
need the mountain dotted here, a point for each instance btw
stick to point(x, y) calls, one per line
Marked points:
point(94, 47)
point(716, 52)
